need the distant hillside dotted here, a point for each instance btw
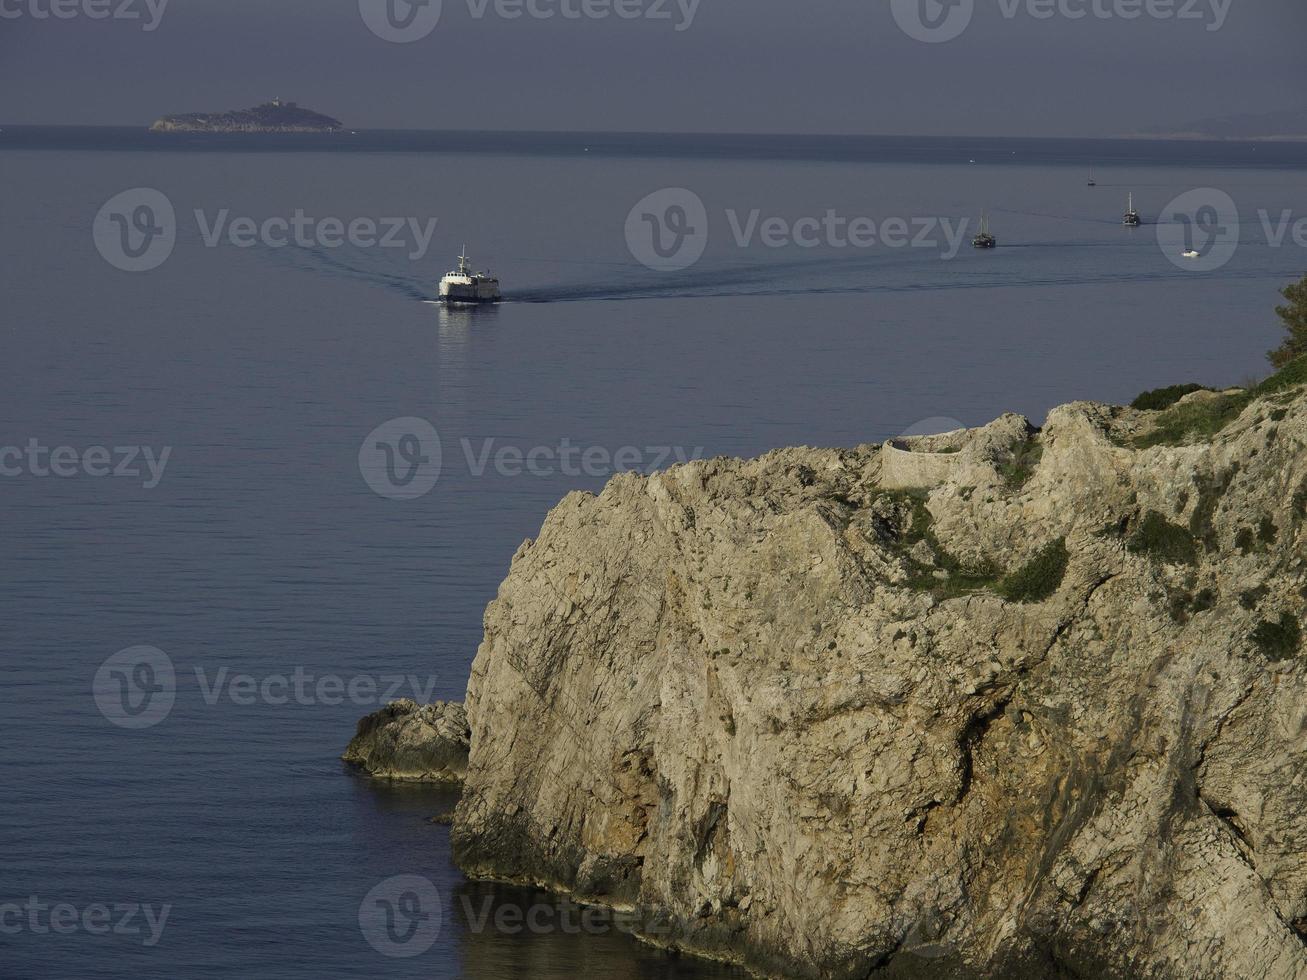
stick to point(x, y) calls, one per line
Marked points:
point(1289, 124)
point(271, 117)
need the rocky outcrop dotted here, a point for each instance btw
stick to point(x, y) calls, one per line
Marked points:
point(405, 740)
point(1048, 718)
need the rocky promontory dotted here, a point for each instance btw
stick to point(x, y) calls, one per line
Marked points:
point(1042, 715)
point(271, 117)
point(404, 740)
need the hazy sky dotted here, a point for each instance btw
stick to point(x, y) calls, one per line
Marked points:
point(824, 66)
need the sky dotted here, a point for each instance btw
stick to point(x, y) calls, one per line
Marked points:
point(995, 67)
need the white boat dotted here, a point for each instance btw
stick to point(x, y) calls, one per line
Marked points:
point(1132, 219)
point(465, 286)
point(1191, 254)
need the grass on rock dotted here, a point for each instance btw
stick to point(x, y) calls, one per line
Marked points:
point(1160, 539)
point(1038, 578)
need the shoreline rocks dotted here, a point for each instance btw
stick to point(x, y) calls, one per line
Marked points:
point(408, 741)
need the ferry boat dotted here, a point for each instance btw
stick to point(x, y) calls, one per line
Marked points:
point(1131, 215)
point(984, 239)
point(465, 286)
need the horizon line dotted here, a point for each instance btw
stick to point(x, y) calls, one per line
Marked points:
point(1179, 137)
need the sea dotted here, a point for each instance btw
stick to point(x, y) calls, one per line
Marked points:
point(254, 482)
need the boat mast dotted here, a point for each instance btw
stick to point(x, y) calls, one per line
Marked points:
point(462, 262)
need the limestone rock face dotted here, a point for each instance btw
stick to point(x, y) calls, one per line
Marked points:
point(743, 698)
point(405, 740)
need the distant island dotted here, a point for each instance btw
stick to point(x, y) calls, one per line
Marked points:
point(271, 117)
point(1286, 125)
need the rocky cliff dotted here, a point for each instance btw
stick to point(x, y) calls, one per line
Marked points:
point(1046, 718)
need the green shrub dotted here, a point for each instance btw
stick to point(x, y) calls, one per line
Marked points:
point(1017, 471)
point(1038, 578)
point(1160, 398)
point(1267, 531)
point(1292, 374)
point(1279, 641)
point(1210, 491)
point(1159, 538)
point(1252, 598)
point(1196, 421)
point(1294, 317)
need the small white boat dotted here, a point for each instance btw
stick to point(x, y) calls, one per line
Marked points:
point(1132, 219)
point(1191, 254)
point(465, 286)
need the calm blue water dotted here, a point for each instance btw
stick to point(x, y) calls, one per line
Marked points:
point(262, 549)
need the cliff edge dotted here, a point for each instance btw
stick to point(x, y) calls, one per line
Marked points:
point(1047, 717)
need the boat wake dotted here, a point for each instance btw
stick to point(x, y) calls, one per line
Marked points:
point(862, 273)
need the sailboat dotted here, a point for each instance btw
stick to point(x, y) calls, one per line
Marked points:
point(984, 239)
point(1092, 182)
point(1131, 215)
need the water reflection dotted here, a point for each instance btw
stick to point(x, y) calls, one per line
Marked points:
point(456, 328)
point(506, 933)
point(496, 931)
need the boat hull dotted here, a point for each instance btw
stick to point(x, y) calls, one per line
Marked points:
point(476, 291)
